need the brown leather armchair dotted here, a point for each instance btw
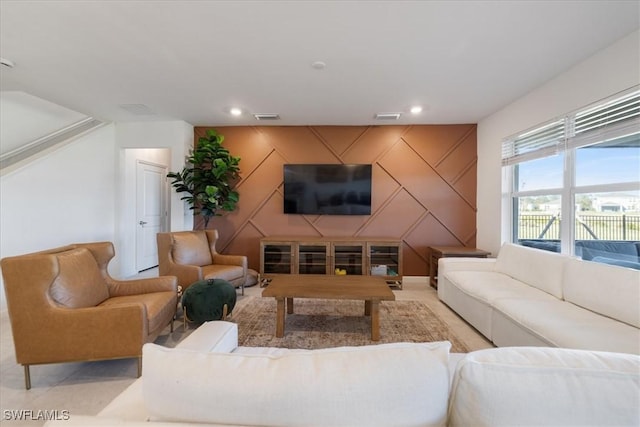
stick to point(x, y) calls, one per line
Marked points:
point(191, 256)
point(64, 307)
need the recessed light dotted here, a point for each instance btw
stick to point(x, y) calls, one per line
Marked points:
point(235, 111)
point(416, 109)
point(318, 65)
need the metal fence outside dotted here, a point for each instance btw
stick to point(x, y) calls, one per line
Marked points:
point(587, 227)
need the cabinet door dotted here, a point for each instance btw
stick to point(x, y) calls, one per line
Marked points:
point(276, 257)
point(385, 259)
point(348, 257)
point(313, 258)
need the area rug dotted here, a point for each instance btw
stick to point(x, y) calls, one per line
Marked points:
point(318, 323)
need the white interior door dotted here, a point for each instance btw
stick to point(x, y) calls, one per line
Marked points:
point(150, 212)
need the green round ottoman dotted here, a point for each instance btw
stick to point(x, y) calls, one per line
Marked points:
point(205, 300)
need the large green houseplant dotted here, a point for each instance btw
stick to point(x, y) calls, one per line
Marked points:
point(209, 177)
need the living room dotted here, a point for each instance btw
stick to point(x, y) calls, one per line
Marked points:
point(82, 191)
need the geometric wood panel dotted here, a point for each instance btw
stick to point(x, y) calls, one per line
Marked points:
point(424, 185)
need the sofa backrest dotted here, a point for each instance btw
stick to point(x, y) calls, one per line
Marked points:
point(191, 248)
point(605, 289)
point(399, 384)
point(79, 283)
point(538, 268)
point(535, 386)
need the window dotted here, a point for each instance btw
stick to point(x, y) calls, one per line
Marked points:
point(574, 183)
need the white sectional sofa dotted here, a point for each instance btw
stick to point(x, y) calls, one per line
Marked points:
point(208, 380)
point(531, 297)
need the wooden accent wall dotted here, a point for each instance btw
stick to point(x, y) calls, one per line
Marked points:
point(423, 189)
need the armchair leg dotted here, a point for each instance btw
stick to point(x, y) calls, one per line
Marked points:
point(242, 289)
point(139, 366)
point(171, 325)
point(27, 377)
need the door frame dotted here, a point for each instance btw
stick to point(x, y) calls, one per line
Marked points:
point(164, 216)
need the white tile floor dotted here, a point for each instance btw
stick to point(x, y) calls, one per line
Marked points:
point(85, 388)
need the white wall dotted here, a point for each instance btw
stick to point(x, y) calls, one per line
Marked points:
point(64, 197)
point(608, 72)
point(80, 192)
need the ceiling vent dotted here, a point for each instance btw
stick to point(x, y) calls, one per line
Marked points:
point(138, 109)
point(261, 116)
point(388, 116)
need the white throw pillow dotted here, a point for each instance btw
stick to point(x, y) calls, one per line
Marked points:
point(540, 386)
point(400, 384)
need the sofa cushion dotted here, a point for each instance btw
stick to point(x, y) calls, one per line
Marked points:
point(608, 290)
point(530, 386)
point(562, 324)
point(487, 286)
point(538, 268)
point(400, 384)
point(191, 248)
point(79, 283)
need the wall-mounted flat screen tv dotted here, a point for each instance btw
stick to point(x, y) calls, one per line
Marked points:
point(327, 189)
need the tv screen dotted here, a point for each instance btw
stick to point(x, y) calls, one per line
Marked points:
point(331, 189)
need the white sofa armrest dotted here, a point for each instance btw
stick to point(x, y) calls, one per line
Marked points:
point(217, 336)
point(465, 264)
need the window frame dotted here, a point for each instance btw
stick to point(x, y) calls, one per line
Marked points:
point(567, 143)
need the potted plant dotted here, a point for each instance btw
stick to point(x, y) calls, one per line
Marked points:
point(209, 177)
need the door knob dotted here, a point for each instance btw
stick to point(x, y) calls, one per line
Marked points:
point(142, 222)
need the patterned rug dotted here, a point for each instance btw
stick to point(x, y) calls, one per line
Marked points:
point(318, 323)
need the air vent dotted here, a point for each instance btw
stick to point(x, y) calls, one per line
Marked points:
point(138, 109)
point(388, 116)
point(267, 116)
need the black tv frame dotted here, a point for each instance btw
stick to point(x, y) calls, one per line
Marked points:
point(327, 189)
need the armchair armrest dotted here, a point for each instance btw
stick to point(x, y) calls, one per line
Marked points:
point(186, 274)
point(143, 286)
point(97, 333)
point(240, 260)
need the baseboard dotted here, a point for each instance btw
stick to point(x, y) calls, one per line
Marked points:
point(416, 279)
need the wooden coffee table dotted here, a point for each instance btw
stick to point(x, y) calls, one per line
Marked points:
point(370, 289)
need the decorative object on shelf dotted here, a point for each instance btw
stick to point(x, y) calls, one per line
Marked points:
point(209, 177)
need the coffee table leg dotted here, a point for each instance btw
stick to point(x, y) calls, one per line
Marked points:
point(289, 305)
point(280, 318)
point(367, 308)
point(375, 320)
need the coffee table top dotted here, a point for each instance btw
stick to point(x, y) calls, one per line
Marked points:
point(329, 287)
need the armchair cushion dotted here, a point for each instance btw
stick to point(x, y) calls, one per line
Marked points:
point(191, 248)
point(79, 283)
point(229, 273)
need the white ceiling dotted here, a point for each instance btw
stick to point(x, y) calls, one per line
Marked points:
point(193, 60)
